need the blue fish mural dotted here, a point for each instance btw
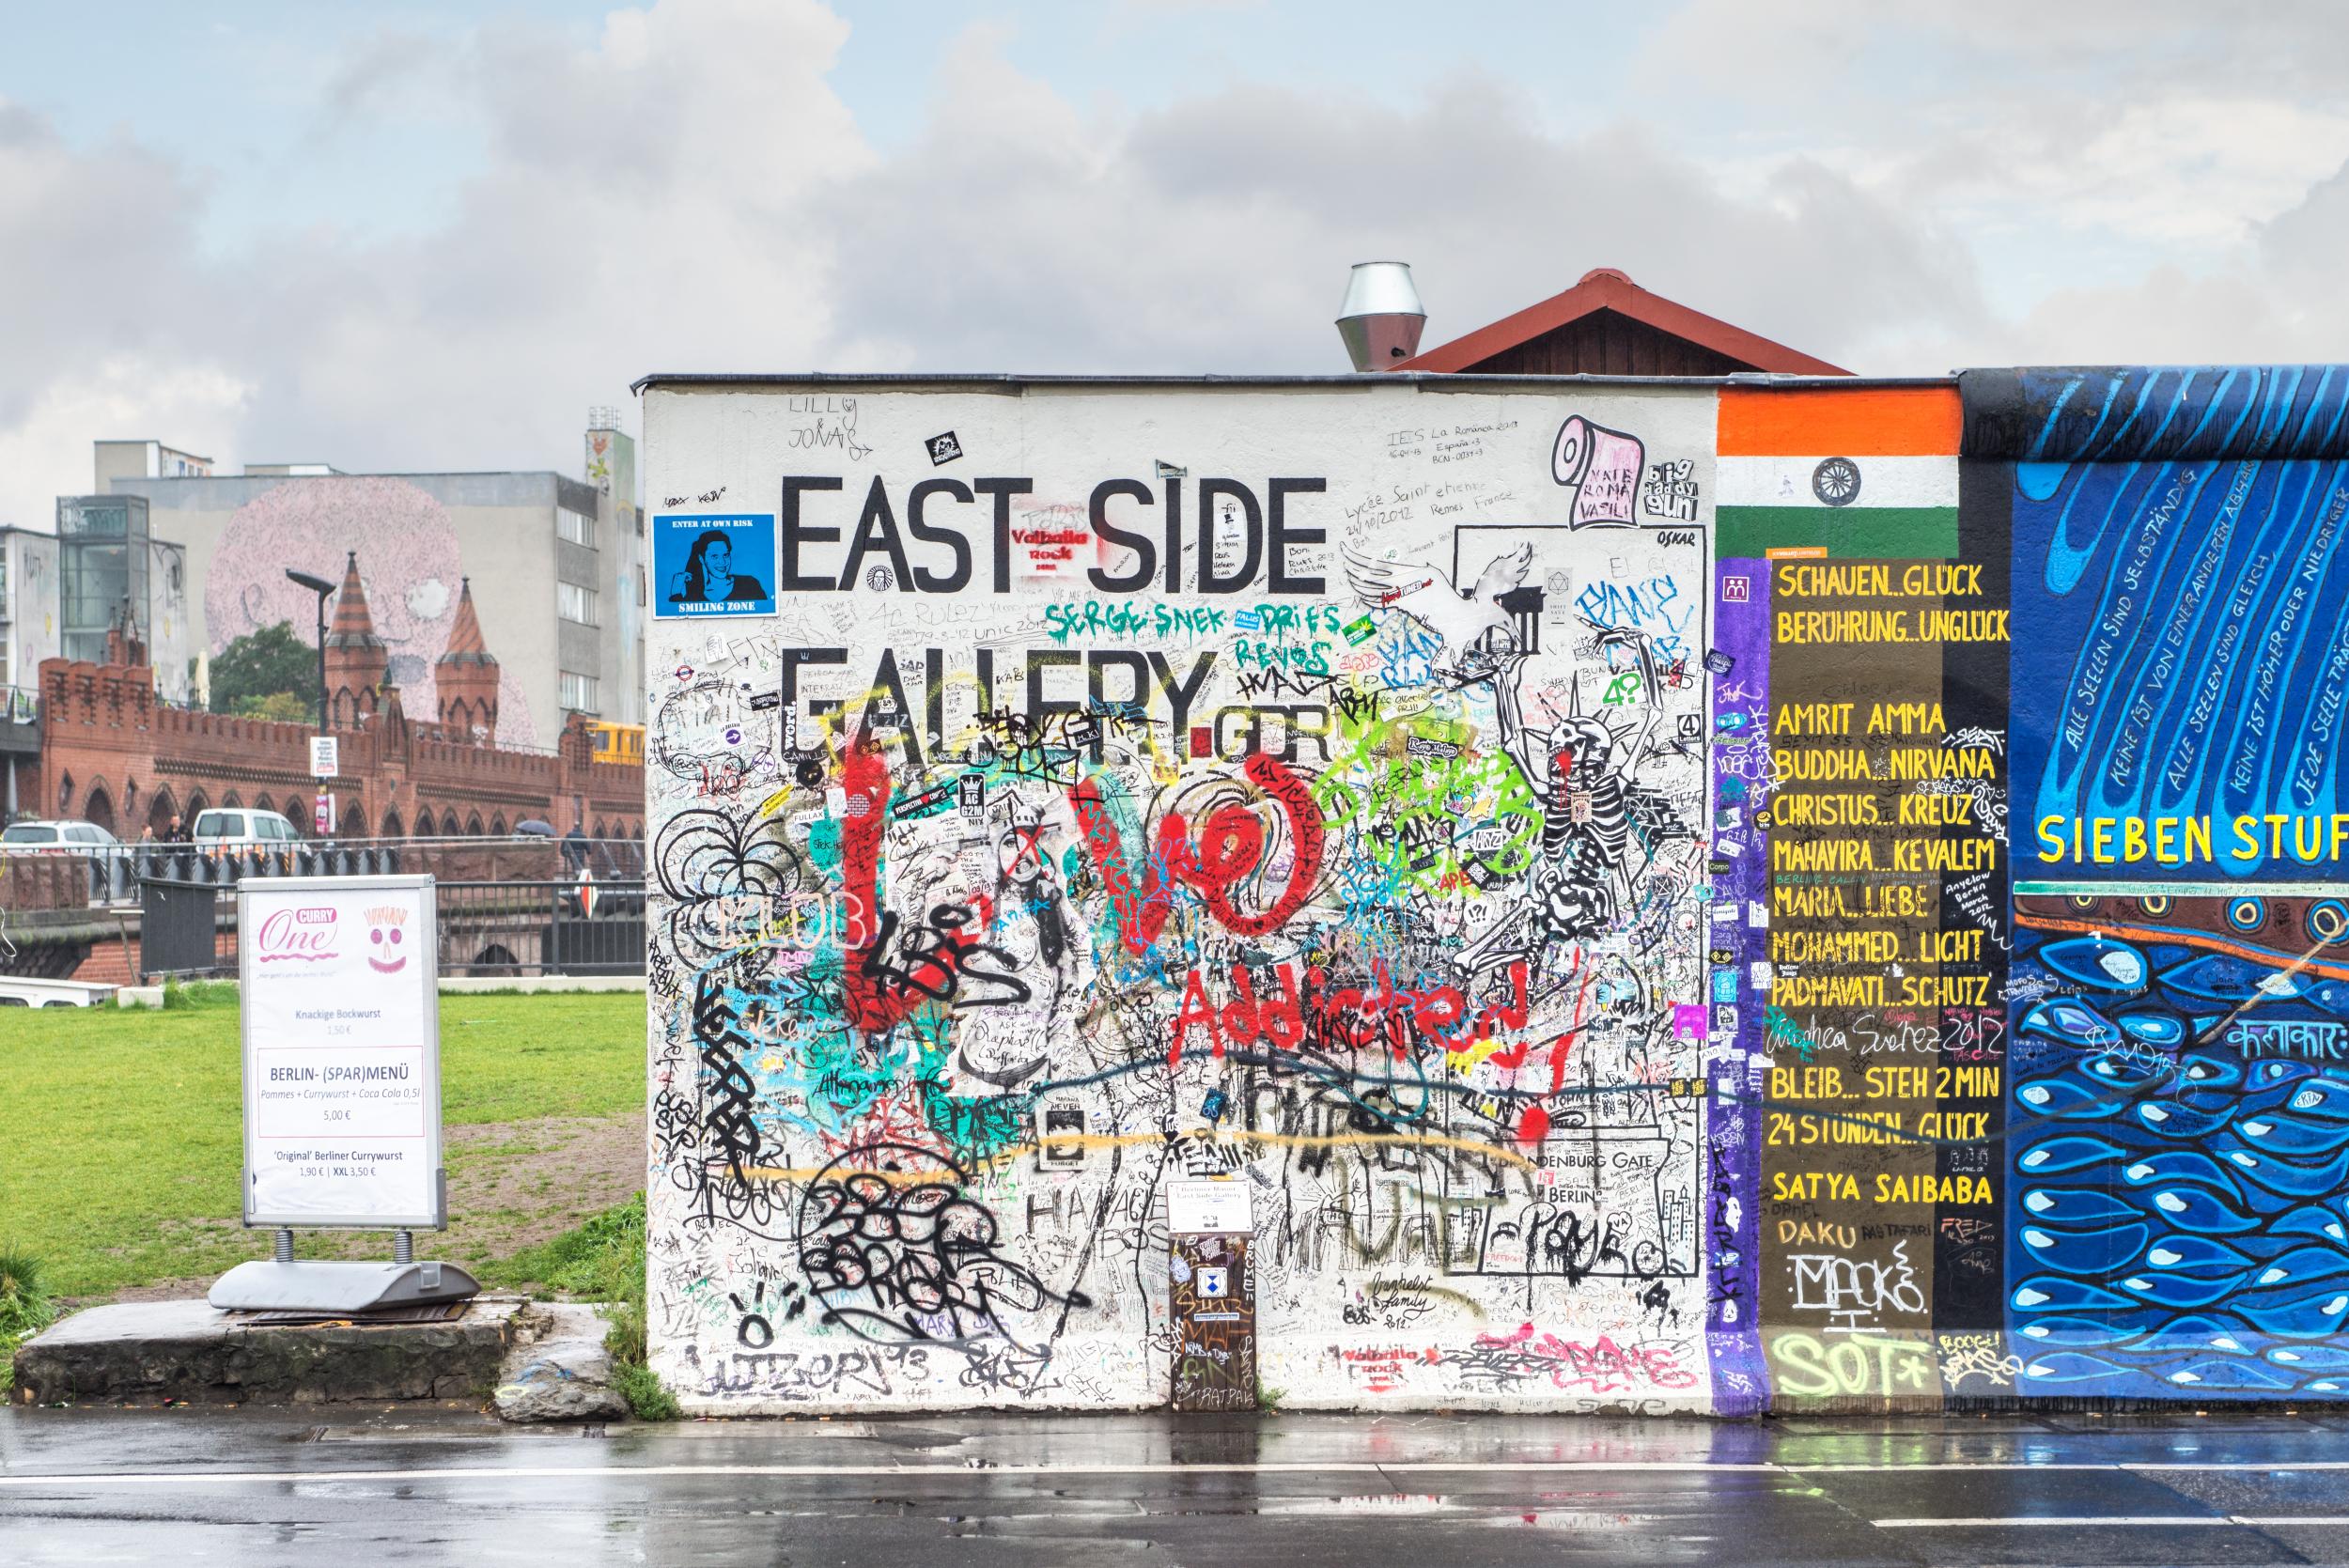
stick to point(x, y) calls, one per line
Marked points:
point(2179, 1166)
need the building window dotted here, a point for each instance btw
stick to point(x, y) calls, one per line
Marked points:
point(575, 603)
point(578, 692)
point(575, 526)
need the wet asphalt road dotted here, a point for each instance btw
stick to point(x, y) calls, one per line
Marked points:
point(353, 1488)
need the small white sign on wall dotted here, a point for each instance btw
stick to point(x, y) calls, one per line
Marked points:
point(1200, 1205)
point(338, 986)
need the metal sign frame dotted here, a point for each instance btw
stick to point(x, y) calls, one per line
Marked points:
point(428, 977)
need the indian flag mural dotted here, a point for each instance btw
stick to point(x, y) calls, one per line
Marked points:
point(1855, 472)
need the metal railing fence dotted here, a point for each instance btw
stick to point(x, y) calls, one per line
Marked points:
point(596, 927)
point(188, 928)
point(116, 870)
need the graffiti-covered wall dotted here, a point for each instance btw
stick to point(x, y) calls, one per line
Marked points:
point(1859, 788)
point(1451, 893)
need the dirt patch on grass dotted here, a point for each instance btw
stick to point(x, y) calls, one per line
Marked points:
point(512, 1185)
point(162, 1290)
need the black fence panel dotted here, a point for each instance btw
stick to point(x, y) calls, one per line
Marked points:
point(612, 945)
point(531, 928)
point(181, 930)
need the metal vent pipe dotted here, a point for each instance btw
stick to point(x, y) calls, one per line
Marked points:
point(1382, 318)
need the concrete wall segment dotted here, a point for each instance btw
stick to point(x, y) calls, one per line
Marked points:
point(1574, 895)
point(1265, 1004)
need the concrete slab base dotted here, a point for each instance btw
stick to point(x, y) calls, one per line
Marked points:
point(147, 1352)
point(560, 1371)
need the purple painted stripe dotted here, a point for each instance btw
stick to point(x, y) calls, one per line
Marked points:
point(1736, 1055)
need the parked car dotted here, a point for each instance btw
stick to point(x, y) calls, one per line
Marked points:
point(55, 838)
point(241, 827)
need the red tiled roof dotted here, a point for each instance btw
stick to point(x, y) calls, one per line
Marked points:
point(1604, 288)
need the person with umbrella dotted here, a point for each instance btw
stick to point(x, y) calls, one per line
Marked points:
point(576, 846)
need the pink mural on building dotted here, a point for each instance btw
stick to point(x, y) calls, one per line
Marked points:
point(409, 563)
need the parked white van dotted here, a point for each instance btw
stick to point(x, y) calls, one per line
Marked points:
point(237, 828)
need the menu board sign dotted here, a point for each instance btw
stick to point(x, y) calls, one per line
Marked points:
point(342, 1052)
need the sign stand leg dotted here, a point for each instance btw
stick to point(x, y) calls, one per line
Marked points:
point(403, 1247)
point(281, 1246)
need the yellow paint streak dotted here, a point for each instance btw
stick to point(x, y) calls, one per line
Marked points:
point(1477, 1053)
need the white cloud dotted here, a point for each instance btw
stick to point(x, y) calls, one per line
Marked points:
point(685, 189)
point(46, 452)
point(2162, 131)
point(102, 230)
point(643, 203)
point(1215, 235)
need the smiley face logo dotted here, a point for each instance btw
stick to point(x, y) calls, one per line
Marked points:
point(386, 931)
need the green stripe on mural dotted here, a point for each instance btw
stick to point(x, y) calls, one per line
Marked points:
point(1897, 533)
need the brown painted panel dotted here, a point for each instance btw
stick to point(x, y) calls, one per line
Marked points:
point(1215, 1334)
point(1606, 343)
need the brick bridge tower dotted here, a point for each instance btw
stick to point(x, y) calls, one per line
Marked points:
point(356, 658)
point(467, 677)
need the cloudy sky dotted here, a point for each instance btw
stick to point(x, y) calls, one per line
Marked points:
point(430, 234)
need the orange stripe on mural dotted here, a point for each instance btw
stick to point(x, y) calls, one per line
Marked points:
point(1871, 422)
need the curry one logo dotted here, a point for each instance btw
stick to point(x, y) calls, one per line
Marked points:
point(386, 931)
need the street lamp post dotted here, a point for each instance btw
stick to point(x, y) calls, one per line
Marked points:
point(319, 586)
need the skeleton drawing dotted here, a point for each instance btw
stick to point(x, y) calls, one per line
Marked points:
point(1600, 826)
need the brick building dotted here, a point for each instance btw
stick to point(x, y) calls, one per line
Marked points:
point(111, 753)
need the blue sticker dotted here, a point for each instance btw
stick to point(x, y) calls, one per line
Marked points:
point(713, 566)
point(1724, 984)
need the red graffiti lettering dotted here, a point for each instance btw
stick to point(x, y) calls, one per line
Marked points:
point(878, 991)
point(1197, 1010)
point(1229, 850)
point(1277, 1017)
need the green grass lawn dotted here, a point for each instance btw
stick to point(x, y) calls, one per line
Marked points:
point(120, 1132)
